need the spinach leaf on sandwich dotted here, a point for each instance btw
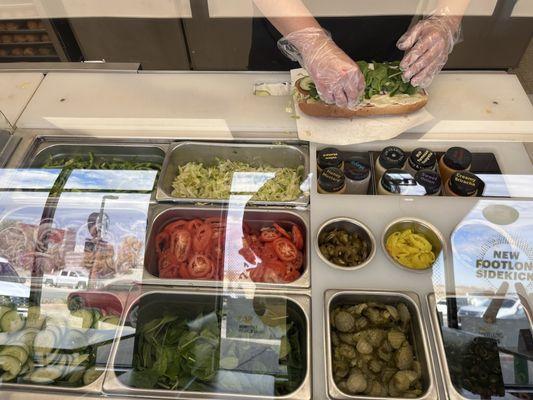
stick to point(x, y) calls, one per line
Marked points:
point(380, 78)
point(384, 78)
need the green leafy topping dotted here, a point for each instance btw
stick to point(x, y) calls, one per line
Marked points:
point(67, 165)
point(384, 78)
point(380, 78)
point(180, 352)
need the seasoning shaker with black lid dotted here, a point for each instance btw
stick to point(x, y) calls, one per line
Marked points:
point(329, 157)
point(421, 158)
point(430, 180)
point(464, 184)
point(391, 157)
point(399, 182)
point(455, 159)
point(357, 173)
point(331, 181)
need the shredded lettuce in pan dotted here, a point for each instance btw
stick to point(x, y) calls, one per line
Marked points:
point(194, 180)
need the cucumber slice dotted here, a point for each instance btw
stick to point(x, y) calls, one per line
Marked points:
point(26, 368)
point(48, 359)
point(45, 342)
point(81, 319)
point(97, 316)
point(10, 364)
point(306, 83)
point(63, 361)
point(3, 310)
point(76, 375)
point(73, 340)
point(11, 322)
point(91, 375)
point(35, 319)
point(27, 336)
point(45, 375)
point(75, 364)
point(111, 319)
point(7, 377)
point(19, 352)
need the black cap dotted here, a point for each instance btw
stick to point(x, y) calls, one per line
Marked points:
point(457, 158)
point(398, 181)
point(422, 158)
point(356, 169)
point(329, 157)
point(466, 184)
point(429, 180)
point(392, 157)
point(331, 180)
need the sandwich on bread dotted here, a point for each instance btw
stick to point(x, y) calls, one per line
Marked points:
point(385, 94)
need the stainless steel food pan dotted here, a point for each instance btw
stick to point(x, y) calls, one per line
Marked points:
point(418, 337)
point(451, 392)
point(43, 148)
point(276, 155)
point(158, 301)
point(256, 218)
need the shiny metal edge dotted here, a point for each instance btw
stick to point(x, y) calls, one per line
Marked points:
point(157, 212)
point(8, 150)
point(427, 225)
point(163, 196)
point(354, 222)
point(40, 144)
point(332, 390)
point(449, 388)
point(113, 386)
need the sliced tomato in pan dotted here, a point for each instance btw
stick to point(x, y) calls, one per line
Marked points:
point(285, 249)
point(296, 264)
point(269, 234)
point(274, 272)
point(282, 231)
point(179, 224)
point(247, 254)
point(297, 237)
point(162, 242)
point(202, 237)
point(201, 267)
point(180, 244)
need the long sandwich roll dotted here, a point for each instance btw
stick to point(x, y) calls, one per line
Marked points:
point(385, 94)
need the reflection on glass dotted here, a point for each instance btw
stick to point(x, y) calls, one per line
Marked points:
point(507, 185)
point(28, 179)
point(111, 180)
point(237, 245)
point(488, 356)
point(204, 343)
point(486, 253)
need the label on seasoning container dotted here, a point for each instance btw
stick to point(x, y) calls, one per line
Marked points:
point(422, 158)
point(329, 157)
point(466, 184)
point(331, 180)
point(392, 157)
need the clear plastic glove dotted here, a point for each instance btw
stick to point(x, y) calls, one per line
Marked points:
point(427, 46)
point(337, 77)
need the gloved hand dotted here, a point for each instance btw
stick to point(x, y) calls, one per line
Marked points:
point(337, 77)
point(427, 46)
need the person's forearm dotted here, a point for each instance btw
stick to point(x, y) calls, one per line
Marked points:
point(287, 15)
point(455, 9)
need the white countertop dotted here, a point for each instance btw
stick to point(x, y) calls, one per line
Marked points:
point(16, 89)
point(466, 106)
